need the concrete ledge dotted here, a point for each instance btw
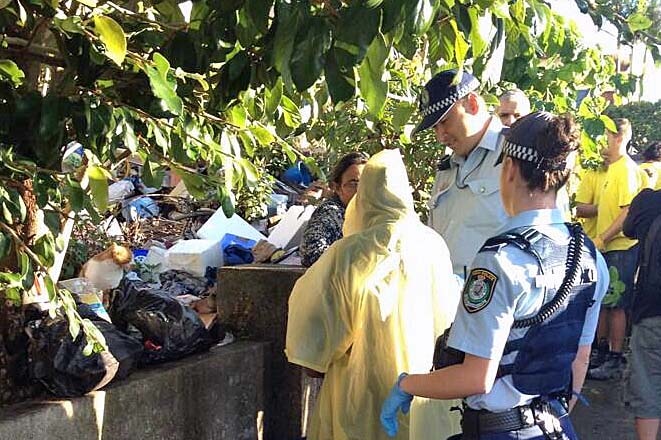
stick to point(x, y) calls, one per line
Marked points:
point(215, 395)
point(253, 301)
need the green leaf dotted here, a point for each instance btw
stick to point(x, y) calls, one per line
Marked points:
point(307, 61)
point(112, 36)
point(227, 206)
point(52, 221)
point(98, 184)
point(150, 176)
point(10, 71)
point(273, 97)
point(420, 16)
point(638, 22)
point(249, 171)
point(357, 28)
point(237, 116)
point(194, 184)
point(340, 78)
point(373, 82)
point(5, 245)
point(248, 142)
point(479, 32)
point(76, 195)
point(446, 37)
point(5, 3)
point(460, 44)
point(27, 273)
point(70, 25)
point(164, 85)
point(263, 136)
point(14, 295)
point(129, 137)
point(289, 19)
point(401, 114)
point(258, 11)
point(608, 123)
point(170, 12)
point(44, 247)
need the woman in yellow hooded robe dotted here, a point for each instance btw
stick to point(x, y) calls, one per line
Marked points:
point(372, 306)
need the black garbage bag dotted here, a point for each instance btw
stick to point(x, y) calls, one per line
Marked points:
point(58, 362)
point(170, 330)
point(125, 348)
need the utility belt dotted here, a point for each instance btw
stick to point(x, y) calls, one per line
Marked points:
point(543, 413)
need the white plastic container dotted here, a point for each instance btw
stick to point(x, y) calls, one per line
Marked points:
point(193, 256)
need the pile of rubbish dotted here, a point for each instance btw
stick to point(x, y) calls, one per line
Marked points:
point(151, 293)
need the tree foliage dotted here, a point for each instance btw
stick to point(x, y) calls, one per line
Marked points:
point(237, 84)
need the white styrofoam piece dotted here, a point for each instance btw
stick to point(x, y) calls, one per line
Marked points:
point(193, 256)
point(218, 225)
point(286, 230)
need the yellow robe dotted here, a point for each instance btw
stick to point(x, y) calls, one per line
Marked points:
point(372, 307)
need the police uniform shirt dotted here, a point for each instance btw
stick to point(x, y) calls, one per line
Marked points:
point(465, 207)
point(507, 285)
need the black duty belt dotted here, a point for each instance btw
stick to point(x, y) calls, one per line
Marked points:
point(475, 422)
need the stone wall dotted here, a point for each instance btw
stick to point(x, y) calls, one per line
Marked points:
point(216, 395)
point(252, 300)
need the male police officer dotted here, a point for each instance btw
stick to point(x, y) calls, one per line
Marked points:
point(465, 207)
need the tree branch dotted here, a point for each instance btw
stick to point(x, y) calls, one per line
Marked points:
point(24, 246)
point(44, 54)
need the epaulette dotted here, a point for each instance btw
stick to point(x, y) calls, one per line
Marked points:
point(444, 163)
point(521, 238)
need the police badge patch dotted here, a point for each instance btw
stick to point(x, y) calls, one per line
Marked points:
point(424, 98)
point(479, 289)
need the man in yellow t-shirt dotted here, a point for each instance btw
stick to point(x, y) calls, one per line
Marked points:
point(587, 198)
point(652, 164)
point(622, 182)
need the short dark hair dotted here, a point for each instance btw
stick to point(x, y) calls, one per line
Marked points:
point(623, 125)
point(553, 141)
point(653, 152)
point(349, 159)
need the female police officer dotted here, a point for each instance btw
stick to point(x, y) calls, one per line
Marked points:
point(529, 308)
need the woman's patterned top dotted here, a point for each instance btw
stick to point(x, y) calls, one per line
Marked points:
point(323, 229)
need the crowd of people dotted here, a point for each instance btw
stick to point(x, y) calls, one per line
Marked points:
point(501, 295)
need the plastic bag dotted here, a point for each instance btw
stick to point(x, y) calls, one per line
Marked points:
point(58, 362)
point(169, 329)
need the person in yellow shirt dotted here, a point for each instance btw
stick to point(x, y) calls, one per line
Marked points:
point(587, 198)
point(652, 164)
point(621, 183)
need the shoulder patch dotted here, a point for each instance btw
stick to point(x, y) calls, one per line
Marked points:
point(478, 290)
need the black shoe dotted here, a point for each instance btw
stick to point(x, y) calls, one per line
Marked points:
point(599, 355)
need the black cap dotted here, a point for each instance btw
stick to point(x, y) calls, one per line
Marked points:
point(521, 138)
point(440, 94)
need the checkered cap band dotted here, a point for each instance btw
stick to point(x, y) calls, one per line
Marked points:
point(520, 152)
point(444, 103)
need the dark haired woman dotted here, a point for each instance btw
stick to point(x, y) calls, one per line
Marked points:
point(652, 164)
point(325, 225)
point(521, 338)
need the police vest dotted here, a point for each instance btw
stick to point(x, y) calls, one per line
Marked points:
point(544, 355)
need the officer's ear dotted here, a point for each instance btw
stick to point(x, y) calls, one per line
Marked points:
point(510, 169)
point(471, 103)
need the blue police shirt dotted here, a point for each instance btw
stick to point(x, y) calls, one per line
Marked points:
point(518, 292)
point(465, 207)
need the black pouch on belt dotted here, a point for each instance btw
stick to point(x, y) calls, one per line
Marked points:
point(445, 356)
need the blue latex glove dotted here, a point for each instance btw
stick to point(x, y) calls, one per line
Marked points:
point(397, 399)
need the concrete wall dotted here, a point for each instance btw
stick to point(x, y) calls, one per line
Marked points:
point(252, 300)
point(209, 396)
